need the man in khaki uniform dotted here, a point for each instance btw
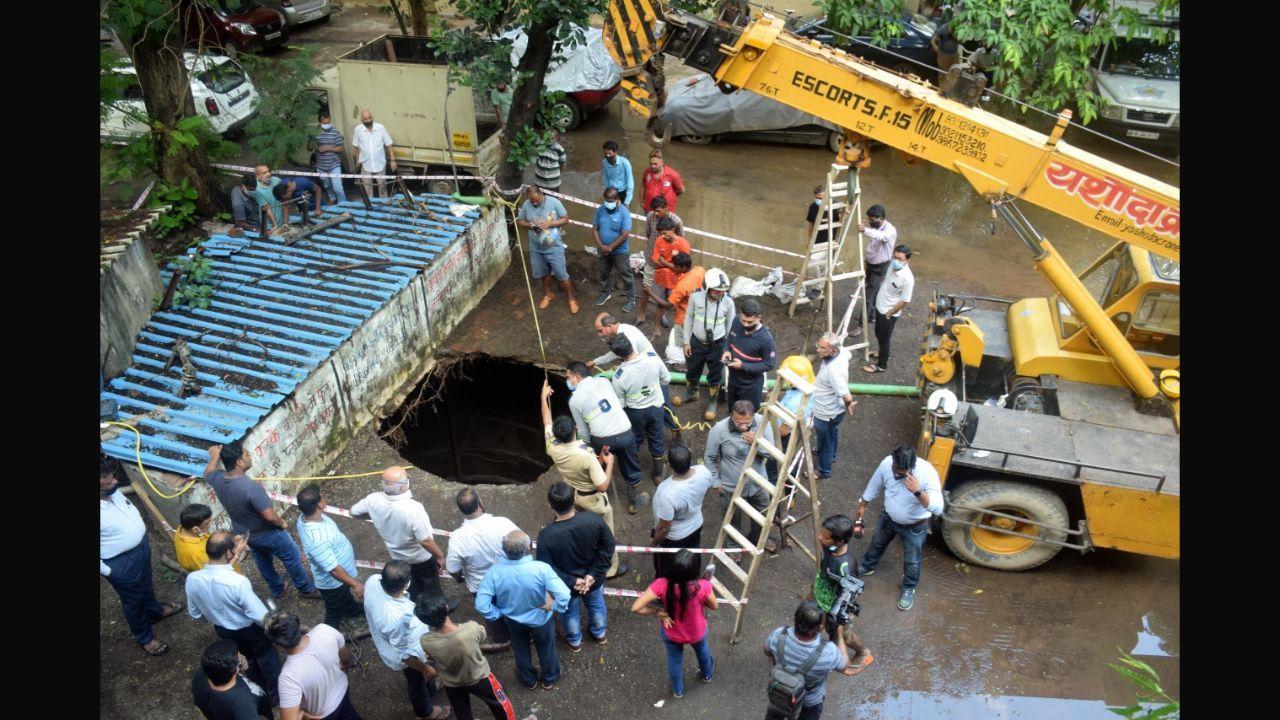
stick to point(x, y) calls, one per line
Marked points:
point(580, 469)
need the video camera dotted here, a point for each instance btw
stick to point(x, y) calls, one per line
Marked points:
point(847, 602)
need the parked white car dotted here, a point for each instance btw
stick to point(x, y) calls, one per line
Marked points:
point(222, 91)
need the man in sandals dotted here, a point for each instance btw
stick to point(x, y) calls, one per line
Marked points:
point(891, 298)
point(124, 559)
point(831, 400)
point(544, 217)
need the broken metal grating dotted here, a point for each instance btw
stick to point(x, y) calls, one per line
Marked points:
point(263, 334)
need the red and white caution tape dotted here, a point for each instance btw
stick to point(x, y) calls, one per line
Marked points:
point(143, 197)
point(343, 512)
point(354, 176)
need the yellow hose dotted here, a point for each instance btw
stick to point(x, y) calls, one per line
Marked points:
point(137, 448)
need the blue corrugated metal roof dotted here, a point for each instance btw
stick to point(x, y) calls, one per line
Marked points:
point(257, 341)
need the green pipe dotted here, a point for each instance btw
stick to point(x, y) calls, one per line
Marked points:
point(472, 199)
point(854, 388)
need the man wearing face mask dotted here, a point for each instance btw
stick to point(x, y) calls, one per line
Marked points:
point(124, 559)
point(749, 354)
point(706, 324)
point(894, 294)
point(831, 400)
point(601, 420)
point(372, 146)
point(726, 453)
point(912, 496)
point(610, 229)
point(327, 144)
point(881, 237)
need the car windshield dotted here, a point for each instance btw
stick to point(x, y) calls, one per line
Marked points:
point(1144, 58)
point(232, 7)
point(222, 78)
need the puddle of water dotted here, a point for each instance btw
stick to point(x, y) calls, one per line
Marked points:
point(1149, 643)
point(931, 706)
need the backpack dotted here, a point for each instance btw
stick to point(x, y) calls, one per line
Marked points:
point(787, 687)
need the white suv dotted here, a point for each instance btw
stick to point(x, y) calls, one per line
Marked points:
point(221, 89)
point(1139, 81)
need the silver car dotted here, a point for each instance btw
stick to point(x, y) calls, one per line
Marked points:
point(300, 12)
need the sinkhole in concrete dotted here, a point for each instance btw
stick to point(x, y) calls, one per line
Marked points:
point(475, 419)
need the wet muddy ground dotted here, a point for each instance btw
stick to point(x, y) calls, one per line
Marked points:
point(977, 644)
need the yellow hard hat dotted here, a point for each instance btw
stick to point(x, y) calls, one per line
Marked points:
point(800, 365)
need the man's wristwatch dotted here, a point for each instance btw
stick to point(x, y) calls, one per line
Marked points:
point(917, 493)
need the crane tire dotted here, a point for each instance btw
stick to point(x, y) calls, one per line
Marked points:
point(997, 550)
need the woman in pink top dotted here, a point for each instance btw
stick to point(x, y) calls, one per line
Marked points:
point(677, 599)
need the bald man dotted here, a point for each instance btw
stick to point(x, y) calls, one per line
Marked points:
point(372, 145)
point(406, 529)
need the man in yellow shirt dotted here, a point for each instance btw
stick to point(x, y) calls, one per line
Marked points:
point(192, 534)
point(581, 470)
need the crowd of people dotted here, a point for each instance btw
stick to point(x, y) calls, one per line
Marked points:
point(524, 596)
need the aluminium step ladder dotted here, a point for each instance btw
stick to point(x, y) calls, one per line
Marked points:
point(791, 474)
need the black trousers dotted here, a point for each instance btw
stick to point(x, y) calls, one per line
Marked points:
point(340, 604)
point(745, 387)
point(875, 277)
point(424, 577)
point(345, 710)
point(421, 691)
point(884, 333)
point(264, 663)
point(708, 355)
point(661, 560)
point(490, 692)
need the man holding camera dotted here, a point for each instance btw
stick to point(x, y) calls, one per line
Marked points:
point(912, 496)
point(805, 659)
point(837, 563)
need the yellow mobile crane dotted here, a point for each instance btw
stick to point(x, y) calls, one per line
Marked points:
point(1040, 412)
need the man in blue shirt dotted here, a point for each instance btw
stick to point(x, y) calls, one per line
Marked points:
point(327, 144)
point(225, 598)
point(525, 593)
point(543, 217)
point(305, 192)
point(333, 561)
point(617, 172)
point(266, 198)
point(611, 229)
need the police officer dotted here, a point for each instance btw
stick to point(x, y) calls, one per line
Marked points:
point(638, 382)
point(601, 420)
point(706, 325)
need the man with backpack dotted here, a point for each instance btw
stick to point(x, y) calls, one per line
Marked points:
point(802, 658)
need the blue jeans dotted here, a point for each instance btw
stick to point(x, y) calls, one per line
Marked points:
point(827, 434)
point(544, 638)
point(623, 447)
point(597, 614)
point(912, 547)
point(675, 658)
point(334, 184)
point(277, 543)
point(131, 578)
point(646, 424)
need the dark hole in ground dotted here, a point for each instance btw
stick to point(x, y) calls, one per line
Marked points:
point(476, 419)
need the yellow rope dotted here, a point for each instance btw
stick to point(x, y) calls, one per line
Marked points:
point(524, 268)
point(137, 449)
point(687, 426)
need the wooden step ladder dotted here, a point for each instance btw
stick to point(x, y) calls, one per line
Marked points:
point(792, 474)
point(843, 192)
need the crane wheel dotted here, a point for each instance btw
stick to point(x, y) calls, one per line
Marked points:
point(1000, 551)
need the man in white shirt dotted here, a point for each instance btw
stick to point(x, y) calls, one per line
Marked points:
point(313, 683)
point(473, 549)
point(881, 237)
point(224, 597)
point(912, 497)
point(397, 634)
point(372, 145)
point(831, 400)
point(405, 527)
point(893, 296)
point(124, 559)
point(638, 382)
point(601, 421)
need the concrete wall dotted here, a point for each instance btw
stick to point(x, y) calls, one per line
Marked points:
point(127, 282)
point(382, 360)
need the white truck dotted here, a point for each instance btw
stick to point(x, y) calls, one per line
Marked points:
point(435, 129)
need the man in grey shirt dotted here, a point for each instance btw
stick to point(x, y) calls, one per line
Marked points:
point(244, 207)
point(831, 399)
point(677, 506)
point(791, 646)
point(727, 446)
point(638, 382)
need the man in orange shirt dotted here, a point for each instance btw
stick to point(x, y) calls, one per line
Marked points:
point(659, 271)
point(688, 280)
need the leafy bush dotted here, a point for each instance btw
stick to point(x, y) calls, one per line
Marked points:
point(194, 289)
point(181, 200)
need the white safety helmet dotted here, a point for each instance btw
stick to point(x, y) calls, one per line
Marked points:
point(716, 279)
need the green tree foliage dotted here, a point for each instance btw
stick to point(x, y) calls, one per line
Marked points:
point(482, 63)
point(286, 117)
point(1044, 60)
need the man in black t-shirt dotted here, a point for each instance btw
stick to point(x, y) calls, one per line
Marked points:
point(221, 692)
point(579, 547)
point(815, 208)
point(838, 560)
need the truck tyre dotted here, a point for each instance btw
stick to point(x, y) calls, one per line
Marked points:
point(568, 114)
point(997, 550)
point(697, 139)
